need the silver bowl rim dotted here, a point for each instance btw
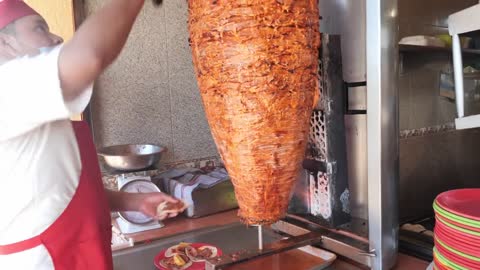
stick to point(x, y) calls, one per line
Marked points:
point(101, 151)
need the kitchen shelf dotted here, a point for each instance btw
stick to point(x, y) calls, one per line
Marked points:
point(467, 122)
point(463, 22)
point(428, 49)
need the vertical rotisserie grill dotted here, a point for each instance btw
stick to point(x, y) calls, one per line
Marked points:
point(257, 68)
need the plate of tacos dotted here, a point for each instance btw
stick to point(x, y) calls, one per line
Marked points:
point(186, 256)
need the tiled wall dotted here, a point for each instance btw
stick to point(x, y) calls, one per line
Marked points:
point(420, 102)
point(150, 95)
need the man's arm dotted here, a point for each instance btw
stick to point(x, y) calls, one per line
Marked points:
point(95, 45)
point(146, 203)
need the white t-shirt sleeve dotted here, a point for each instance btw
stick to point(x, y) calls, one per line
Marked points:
point(31, 94)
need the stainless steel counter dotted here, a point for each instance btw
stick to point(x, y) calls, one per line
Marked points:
point(228, 238)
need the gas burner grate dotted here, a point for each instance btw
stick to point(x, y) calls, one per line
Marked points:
point(319, 182)
point(318, 136)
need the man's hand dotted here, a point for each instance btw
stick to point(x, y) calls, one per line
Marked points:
point(146, 203)
point(150, 202)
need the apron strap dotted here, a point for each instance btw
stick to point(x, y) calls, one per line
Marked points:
point(20, 246)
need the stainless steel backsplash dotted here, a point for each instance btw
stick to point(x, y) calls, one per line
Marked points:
point(433, 163)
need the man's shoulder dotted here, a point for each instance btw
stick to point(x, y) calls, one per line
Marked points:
point(58, 128)
point(45, 54)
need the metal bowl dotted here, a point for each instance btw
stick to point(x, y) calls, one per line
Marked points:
point(130, 157)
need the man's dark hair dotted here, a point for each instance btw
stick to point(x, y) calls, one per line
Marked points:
point(9, 29)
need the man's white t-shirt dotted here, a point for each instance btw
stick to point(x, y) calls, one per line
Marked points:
point(39, 157)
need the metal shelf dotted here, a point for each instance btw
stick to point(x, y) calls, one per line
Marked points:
point(464, 22)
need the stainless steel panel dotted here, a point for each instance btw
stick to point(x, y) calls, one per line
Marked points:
point(333, 240)
point(357, 98)
point(280, 246)
point(356, 136)
point(353, 39)
point(230, 238)
point(216, 199)
point(330, 17)
point(347, 18)
point(383, 131)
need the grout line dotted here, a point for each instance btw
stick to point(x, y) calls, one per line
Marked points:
point(168, 83)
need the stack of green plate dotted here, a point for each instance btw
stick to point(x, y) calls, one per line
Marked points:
point(457, 230)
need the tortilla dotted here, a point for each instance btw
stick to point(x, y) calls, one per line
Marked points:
point(166, 208)
point(177, 249)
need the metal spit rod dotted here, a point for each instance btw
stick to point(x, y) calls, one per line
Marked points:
point(260, 237)
point(268, 250)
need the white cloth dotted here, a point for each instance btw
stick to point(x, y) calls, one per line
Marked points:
point(180, 183)
point(39, 157)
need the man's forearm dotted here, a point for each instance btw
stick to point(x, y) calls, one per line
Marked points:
point(147, 203)
point(96, 44)
point(122, 201)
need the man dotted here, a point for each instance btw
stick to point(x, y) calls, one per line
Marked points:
point(54, 211)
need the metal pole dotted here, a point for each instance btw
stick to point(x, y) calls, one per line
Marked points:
point(382, 131)
point(458, 75)
point(260, 237)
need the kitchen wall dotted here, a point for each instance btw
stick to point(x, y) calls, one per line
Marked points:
point(433, 163)
point(432, 159)
point(150, 95)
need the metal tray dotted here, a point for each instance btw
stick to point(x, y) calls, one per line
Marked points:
point(230, 238)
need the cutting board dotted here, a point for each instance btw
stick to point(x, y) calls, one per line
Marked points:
point(292, 259)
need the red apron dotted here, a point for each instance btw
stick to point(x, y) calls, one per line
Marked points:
point(80, 238)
